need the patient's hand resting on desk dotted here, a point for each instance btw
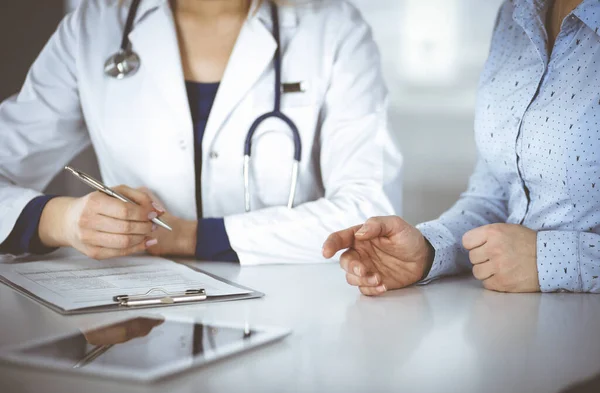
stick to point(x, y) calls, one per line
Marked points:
point(504, 257)
point(383, 254)
point(100, 226)
point(388, 253)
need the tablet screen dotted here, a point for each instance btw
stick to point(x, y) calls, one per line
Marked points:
point(142, 348)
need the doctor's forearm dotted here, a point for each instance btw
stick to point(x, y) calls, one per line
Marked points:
point(205, 240)
point(185, 240)
point(52, 228)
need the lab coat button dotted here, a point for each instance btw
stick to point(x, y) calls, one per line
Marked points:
point(213, 155)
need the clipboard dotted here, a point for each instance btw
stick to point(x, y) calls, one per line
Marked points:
point(253, 294)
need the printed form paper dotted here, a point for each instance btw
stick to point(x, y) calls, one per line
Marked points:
point(79, 282)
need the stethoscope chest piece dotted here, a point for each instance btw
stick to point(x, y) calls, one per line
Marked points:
point(121, 64)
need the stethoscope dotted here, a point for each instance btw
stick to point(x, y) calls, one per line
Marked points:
point(126, 63)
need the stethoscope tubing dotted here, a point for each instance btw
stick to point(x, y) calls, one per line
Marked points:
point(119, 66)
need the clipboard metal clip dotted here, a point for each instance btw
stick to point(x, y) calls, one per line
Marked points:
point(166, 297)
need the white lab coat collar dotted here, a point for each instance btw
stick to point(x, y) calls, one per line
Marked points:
point(144, 8)
point(252, 55)
point(147, 6)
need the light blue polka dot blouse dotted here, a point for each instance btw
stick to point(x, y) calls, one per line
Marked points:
point(537, 130)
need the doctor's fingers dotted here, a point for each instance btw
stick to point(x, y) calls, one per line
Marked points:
point(338, 241)
point(138, 196)
point(99, 203)
point(100, 253)
point(112, 240)
point(142, 196)
point(156, 202)
point(113, 225)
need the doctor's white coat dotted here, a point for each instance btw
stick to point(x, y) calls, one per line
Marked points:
point(142, 132)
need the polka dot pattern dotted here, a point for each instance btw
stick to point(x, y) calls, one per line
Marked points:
point(537, 130)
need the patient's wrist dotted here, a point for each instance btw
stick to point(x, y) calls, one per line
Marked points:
point(428, 260)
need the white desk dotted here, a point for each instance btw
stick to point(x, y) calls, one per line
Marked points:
point(450, 336)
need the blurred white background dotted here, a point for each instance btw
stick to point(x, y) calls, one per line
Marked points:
point(432, 51)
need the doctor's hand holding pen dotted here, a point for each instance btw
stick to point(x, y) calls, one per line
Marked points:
point(100, 226)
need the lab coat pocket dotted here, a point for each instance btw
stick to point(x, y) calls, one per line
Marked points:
point(136, 122)
point(273, 156)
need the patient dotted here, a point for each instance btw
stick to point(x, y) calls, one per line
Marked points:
point(530, 219)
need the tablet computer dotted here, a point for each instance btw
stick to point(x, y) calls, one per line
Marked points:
point(144, 349)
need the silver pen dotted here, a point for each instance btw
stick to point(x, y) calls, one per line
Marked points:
point(90, 181)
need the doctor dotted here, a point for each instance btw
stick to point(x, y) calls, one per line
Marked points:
point(166, 92)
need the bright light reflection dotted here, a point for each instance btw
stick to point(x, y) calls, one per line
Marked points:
point(429, 37)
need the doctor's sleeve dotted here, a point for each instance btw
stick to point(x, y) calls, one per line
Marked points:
point(212, 241)
point(42, 127)
point(484, 202)
point(24, 238)
point(357, 157)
